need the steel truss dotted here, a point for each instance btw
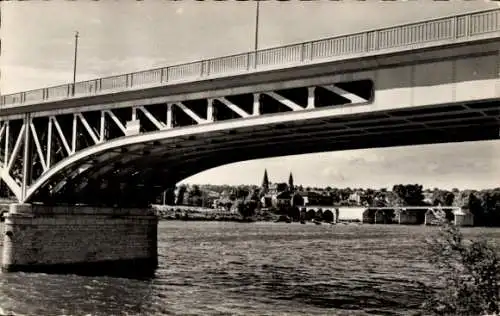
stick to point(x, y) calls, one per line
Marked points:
point(31, 145)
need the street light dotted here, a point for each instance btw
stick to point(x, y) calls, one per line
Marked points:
point(74, 63)
point(257, 26)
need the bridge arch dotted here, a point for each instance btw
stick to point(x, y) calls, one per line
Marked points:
point(162, 148)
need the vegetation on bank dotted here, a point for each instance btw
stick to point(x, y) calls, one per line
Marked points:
point(468, 275)
point(484, 204)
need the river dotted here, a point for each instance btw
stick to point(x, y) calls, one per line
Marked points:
point(214, 268)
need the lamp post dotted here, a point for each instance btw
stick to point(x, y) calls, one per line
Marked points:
point(256, 43)
point(74, 63)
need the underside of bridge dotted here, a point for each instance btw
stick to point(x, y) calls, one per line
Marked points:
point(134, 175)
point(123, 149)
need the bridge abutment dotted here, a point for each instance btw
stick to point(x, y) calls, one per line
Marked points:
point(80, 239)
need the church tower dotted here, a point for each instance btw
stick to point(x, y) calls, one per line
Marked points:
point(265, 182)
point(290, 183)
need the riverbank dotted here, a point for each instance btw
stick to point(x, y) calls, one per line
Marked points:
point(196, 213)
point(200, 217)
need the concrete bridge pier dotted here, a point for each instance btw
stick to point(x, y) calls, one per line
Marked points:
point(80, 240)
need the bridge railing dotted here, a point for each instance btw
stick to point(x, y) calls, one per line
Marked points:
point(455, 28)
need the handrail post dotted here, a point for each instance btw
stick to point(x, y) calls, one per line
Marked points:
point(168, 74)
point(467, 26)
point(205, 68)
point(453, 27)
point(249, 61)
point(367, 42)
point(307, 51)
point(376, 40)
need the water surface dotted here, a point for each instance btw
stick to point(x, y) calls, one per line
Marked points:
point(213, 268)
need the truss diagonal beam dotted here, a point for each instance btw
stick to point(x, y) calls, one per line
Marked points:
point(191, 114)
point(88, 128)
point(116, 120)
point(345, 94)
point(7, 145)
point(159, 125)
point(234, 107)
point(16, 148)
point(3, 160)
point(11, 183)
point(292, 105)
point(61, 135)
point(41, 156)
point(2, 131)
point(49, 143)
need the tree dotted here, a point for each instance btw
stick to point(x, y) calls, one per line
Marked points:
point(335, 195)
point(291, 187)
point(368, 197)
point(170, 196)
point(241, 192)
point(443, 197)
point(379, 201)
point(195, 190)
point(253, 200)
point(282, 186)
point(411, 194)
point(265, 182)
point(195, 196)
point(246, 208)
point(328, 216)
point(297, 200)
point(468, 199)
point(294, 213)
point(310, 214)
point(468, 274)
point(180, 195)
point(345, 193)
point(489, 205)
point(319, 214)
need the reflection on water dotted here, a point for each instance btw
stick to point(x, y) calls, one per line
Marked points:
point(215, 268)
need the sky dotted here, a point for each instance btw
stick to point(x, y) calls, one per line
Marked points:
point(125, 36)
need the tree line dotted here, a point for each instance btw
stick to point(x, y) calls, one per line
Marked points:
point(484, 204)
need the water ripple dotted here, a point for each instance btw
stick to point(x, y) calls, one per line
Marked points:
point(248, 269)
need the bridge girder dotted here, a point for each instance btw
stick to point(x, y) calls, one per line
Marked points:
point(126, 156)
point(46, 141)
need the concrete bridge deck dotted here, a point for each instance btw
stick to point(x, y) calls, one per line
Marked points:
point(448, 31)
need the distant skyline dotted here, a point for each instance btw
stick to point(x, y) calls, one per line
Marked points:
point(120, 37)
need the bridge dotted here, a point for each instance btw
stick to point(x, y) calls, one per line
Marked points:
point(97, 153)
